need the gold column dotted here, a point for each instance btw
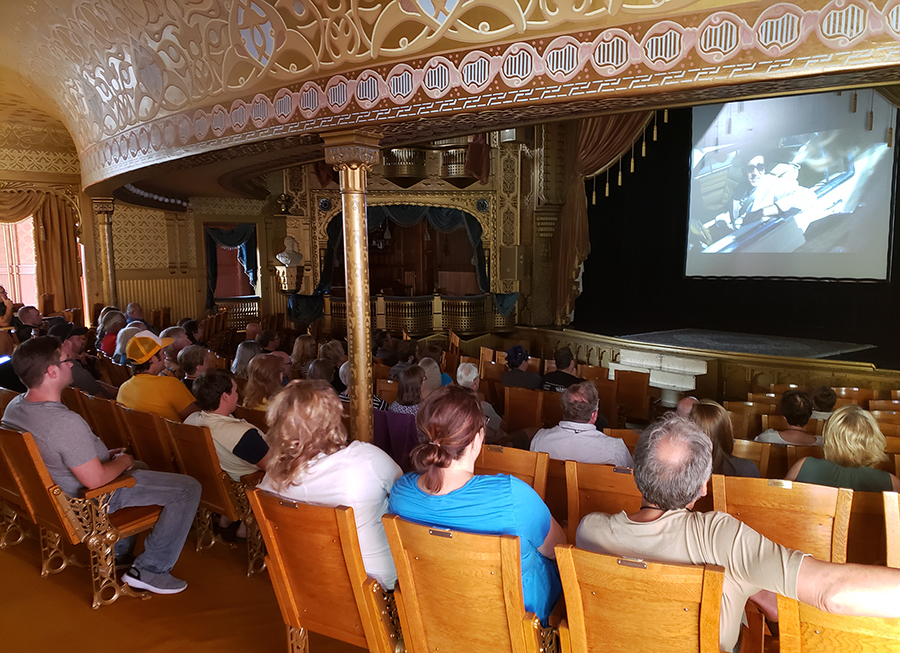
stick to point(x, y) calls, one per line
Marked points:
point(103, 209)
point(353, 153)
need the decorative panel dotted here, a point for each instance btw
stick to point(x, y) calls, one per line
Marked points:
point(140, 238)
point(179, 293)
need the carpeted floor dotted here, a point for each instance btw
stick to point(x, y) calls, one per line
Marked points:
point(746, 343)
point(222, 611)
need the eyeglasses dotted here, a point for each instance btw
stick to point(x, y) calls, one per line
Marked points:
point(759, 167)
point(65, 360)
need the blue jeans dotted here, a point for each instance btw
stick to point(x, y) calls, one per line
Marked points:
point(179, 496)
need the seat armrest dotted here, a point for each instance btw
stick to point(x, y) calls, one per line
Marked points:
point(123, 481)
point(254, 479)
point(558, 614)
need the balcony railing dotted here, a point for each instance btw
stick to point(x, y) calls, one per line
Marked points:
point(421, 316)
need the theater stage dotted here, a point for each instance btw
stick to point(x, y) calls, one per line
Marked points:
point(746, 343)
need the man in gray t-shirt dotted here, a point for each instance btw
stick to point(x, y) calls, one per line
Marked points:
point(77, 459)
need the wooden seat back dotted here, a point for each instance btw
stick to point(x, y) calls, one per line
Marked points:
point(796, 452)
point(500, 358)
point(628, 436)
point(741, 423)
point(485, 356)
point(678, 605)
point(14, 505)
point(459, 591)
point(859, 396)
point(866, 537)
point(598, 488)
point(257, 417)
point(551, 408)
point(453, 342)
point(764, 397)
point(523, 408)
point(892, 527)
point(534, 365)
point(387, 389)
point(549, 365)
point(449, 364)
point(756, 452)
point(804, 628)
point(607, 390)
point(556, 496)
point(492, 384)
point(71, 399)
point(6, 396)
point(780, 423)
point(527, 466)
point(811, 518)
point(316, 567)
point(150, 439)
point(196, 455)
point(889, 416)
point(105, 421)
point(381, 371)
point(753, 410)
point(633, 393)
point(112, 373)
point(885, 404)
point(781, 388)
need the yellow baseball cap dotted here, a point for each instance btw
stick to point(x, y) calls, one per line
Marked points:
point(144, 345)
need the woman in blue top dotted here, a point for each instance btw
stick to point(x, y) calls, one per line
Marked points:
point(446, 493)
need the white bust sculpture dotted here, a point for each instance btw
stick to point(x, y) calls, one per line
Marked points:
point(290, 257)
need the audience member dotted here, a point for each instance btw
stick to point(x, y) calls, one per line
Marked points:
point(377, 402)
point(252, 330)
point(242, 357)
point(6, 308)
point(445, 492)
point(134, 313)
point(564, 374)
point(683, 409)
point(28, 322)
point(108, 331)
point(673, 462)
point(518, 376)
point(263, 382)
point(321, 370)
point(285, 359)
point(796, 406)
point(433, 351)
point(179, 341)
point(824, 399)
point(713, 420)
point(432, 376)
point(125, 334)
point(409, 391)
point(72, 348)
point(194, 360)
point(383, 347)
point(312, 461)
point(333, 352)
point(579, 436)
point(145, 390)
point(467, 377)
point(305, 352)
point(269, 340)
point(77, 460)
point(194, 331)
point(406, 358)
point(853, 446)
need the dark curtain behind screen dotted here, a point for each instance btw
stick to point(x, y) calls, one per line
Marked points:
point(242, 238)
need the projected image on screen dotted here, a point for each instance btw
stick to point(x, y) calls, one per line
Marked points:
point(792, 187)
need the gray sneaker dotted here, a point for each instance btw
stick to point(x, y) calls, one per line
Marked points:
point(156, 583)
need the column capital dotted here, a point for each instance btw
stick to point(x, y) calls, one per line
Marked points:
point(352, 147)
point(103, 205)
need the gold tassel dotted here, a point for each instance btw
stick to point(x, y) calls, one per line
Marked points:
point(665, 115)
point(871, 121)
point(607, 182)
point(594, 191)
point(644, 146)
point(890, 138)
point(655, 116)
point(853, 103)
point(632, 157)
point(620, 174)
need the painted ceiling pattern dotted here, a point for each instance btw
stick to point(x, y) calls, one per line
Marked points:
point(698, 50)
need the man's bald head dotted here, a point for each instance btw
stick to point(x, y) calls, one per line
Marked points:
point(672, 462)
point(253, 330)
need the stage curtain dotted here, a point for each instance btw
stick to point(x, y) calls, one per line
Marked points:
point(242, 238)
point(19, 204)
point(600, 142)
point(892, 93)
point(56, 247)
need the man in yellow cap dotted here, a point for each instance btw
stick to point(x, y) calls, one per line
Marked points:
point(163, 395)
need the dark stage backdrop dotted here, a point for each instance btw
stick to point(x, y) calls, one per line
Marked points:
point(634, 278)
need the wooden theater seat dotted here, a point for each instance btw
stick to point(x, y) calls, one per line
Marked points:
point(527, 466)
point(105, 421)
point(628, 436)
point(316, 567)
point(620, 605)
point(13, 507)
point(598, 488)
point(796, 452)
point(459, 591)
point(892, 527)
point(811, 518)
point(6, 396)
point(551, 408)
point(756, 452)
point(257, 417)
point(556, 497)
point(780, 423)
point(633, 394)
point(196, 455)
point(75, 520)
point(805, 628)
point(523, 408)
point(150, 439)
point(859, 396)
point(387, 389)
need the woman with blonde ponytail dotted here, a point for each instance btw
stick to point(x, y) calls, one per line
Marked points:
point(311, 461)
point(445, 492)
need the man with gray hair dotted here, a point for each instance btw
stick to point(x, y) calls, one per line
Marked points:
point(579, 435)
point(673, 462)
point(179, 342)
point(467, 377)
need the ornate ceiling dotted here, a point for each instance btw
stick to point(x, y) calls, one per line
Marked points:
point(231, 88)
